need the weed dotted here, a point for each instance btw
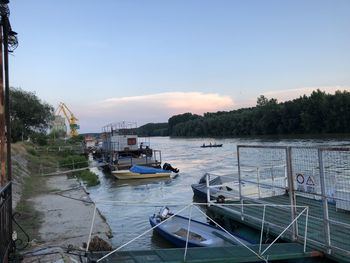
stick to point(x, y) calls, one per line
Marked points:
point(88, 177)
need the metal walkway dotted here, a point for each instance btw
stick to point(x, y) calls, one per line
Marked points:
point(276, 218)
point(281, 251)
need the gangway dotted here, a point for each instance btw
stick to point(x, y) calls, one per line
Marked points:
point(280, 251)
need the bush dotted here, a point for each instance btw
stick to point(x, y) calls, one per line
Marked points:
point(39, 138)
point(74, 162)
point(88, 177)
point(32, 152)
point(65, 153)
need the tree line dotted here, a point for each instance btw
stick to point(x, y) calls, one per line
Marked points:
point(318, 113)
point(31, 118)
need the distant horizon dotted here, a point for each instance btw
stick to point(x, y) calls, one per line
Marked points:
point(147, 60)
point(282, 97)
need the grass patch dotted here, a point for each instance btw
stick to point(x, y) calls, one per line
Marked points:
point(88, 177)
point(34, 184)
point(32, 151)
point(30, 219)
point(74, 162)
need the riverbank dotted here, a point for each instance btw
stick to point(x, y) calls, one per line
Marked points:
point(55, 211)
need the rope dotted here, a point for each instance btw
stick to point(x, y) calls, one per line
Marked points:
point(188, 233)
point(144, 233)
point(239, 241)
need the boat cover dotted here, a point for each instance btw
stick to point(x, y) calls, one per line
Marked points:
point(146, 170)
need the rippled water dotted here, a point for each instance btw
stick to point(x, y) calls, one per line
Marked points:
point(128, 221)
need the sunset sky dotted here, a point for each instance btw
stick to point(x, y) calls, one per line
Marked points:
point(146, 60)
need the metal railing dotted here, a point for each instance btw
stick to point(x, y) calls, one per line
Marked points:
point(318, 176)
point(5, 221)
point(260, 255)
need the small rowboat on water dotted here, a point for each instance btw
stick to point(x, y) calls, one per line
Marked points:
point(211, 145)
point(141, 172)
point(200, 235)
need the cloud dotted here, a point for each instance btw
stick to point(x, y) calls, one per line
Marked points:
point(150, 108)
point(161, 106)
point(195, 102)
point(290, 94)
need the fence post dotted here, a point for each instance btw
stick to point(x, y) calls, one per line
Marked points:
point(207, 181)
point(240, 183)
point(262, 229)
point(326, 226)
point(258, 180)
point(273, 182)
point(291, 192)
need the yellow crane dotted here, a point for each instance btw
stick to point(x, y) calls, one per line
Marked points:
point(72, 120)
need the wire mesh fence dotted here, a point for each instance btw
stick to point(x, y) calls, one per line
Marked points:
point(262, 171)
point(316, 177)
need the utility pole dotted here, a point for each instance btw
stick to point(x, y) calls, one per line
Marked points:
point(8, 43)
point(2, 118)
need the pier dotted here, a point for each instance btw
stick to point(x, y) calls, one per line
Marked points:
point(287, 180)
point(232, 254)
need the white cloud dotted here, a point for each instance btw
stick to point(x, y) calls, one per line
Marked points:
point(161, 106)
point(150, 108)
point(196, 102)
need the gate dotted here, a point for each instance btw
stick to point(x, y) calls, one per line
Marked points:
point(5, 222)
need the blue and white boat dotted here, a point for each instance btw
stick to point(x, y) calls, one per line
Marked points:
point(140, 172)
point(200, 235)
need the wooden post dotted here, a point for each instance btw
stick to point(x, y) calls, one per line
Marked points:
point(6, 29)
point(2, 118)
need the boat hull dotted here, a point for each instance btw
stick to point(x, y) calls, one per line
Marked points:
point(127, 175)
point(211, 146)
point(217, 189)
point(201, 234)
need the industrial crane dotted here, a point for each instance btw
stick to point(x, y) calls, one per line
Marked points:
point(72, 120)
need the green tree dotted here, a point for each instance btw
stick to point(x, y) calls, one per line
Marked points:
point(29, 115)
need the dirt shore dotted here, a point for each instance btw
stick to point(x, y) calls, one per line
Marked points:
point(68, 213)
point(67, 216)
point(55, 211)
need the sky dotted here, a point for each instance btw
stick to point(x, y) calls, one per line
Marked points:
point(147, 60)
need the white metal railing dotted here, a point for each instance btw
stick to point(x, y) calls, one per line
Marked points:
point(261, 255)
point(67, 167)
point(216, 186)
point(326, 165)
point(260, 182)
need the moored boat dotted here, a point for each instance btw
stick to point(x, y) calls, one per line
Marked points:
point(141, 172)
point(221, 187)
point(211, 145)
point(200, 235)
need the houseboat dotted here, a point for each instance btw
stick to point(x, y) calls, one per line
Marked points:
point(122, 148)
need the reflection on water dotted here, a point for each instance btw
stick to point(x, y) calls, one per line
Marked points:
point(128, 221)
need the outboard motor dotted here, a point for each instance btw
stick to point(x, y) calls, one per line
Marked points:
point(220, 199)
point(168, 167)
point(203, 179)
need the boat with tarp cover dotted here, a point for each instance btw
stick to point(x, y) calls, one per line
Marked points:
point(141, 172)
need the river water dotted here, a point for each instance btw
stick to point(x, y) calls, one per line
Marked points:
point(145, 197)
